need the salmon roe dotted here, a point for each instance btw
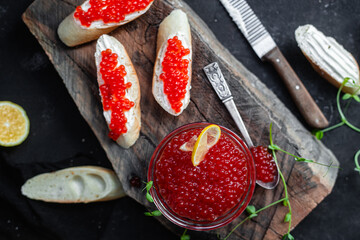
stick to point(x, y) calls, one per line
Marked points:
point(113, 93)
point(205, 192)
point(265, 165)
point(109, 11)
point(175, 75)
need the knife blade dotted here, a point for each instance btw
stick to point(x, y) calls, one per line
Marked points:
point(267, 50)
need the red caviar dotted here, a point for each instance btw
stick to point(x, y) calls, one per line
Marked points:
point(205, 192)
point(175, 73)
point(264, 163)
point(113, 93)
point(109, 11)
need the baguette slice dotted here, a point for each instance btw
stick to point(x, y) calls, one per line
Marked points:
point(133, 116)
point(72, 33)
point(74, 185)
point(176, 24)
point(328, 58)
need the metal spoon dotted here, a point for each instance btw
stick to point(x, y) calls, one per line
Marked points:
point(220, 86)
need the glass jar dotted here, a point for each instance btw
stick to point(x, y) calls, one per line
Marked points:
point(227, 217)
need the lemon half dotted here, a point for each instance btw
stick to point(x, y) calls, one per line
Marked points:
point(14, 124)
point(208, 137)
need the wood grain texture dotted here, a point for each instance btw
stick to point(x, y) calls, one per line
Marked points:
point(303, 100)
point(256, 103)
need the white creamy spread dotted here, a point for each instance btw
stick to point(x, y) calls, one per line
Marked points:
point(327, 53)
point(100, 24)
point(106, 42)
point(158, 68)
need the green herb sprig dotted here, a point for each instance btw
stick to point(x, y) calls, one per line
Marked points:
point(319, 134)
point(300, 159)
point(148, 186)
point(356, 159)
point(251, 210)
point(185, 236)
point(150, 199)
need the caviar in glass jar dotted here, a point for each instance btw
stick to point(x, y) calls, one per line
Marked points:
point(109, 11)
point(175, 75)
point(113, 92)
point(205, 192)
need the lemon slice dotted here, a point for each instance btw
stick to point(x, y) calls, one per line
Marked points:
point(14, 124)
point(208, 137)
point(189, 146)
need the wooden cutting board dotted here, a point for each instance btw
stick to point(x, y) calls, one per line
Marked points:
point(256, 103)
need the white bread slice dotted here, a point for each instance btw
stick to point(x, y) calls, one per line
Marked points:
point(72, 33)
point(176, 24)
point(328, 58)
point(133, 116)
point(74, 185)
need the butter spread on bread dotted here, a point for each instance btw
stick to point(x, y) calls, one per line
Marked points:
point(174, 27)
point(328, 57)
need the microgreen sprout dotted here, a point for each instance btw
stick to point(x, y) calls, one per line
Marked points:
point(356, 159)
point(347, 96)
point(288, 236)
point(148, 186)
point(251, 210)
point(185, 236)
point(252, 213)
point(319, 134)
point(155, 213)
point(286, 202)
point(301, 159)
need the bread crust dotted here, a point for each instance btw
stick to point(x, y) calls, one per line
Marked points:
point(129, 138)
point(176, 24)
point(71, 33)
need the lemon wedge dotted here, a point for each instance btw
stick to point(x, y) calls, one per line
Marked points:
point(14, 124)
point(208, 137)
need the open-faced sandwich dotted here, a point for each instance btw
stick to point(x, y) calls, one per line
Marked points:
point(328, 58)
point(96, 17)
point(172, 71)
point(119, 90)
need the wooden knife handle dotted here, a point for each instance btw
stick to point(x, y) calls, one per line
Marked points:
point(303, 100)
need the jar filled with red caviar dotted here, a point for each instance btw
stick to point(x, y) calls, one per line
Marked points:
point(209, 195)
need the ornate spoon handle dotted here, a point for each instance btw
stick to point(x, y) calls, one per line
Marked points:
point(221, 88)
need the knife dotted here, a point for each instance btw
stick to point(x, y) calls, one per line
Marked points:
point(266, 49)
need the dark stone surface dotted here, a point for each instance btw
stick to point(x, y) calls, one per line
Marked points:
point(60, 138)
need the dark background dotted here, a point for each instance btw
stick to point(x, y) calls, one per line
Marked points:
point(59, 136)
